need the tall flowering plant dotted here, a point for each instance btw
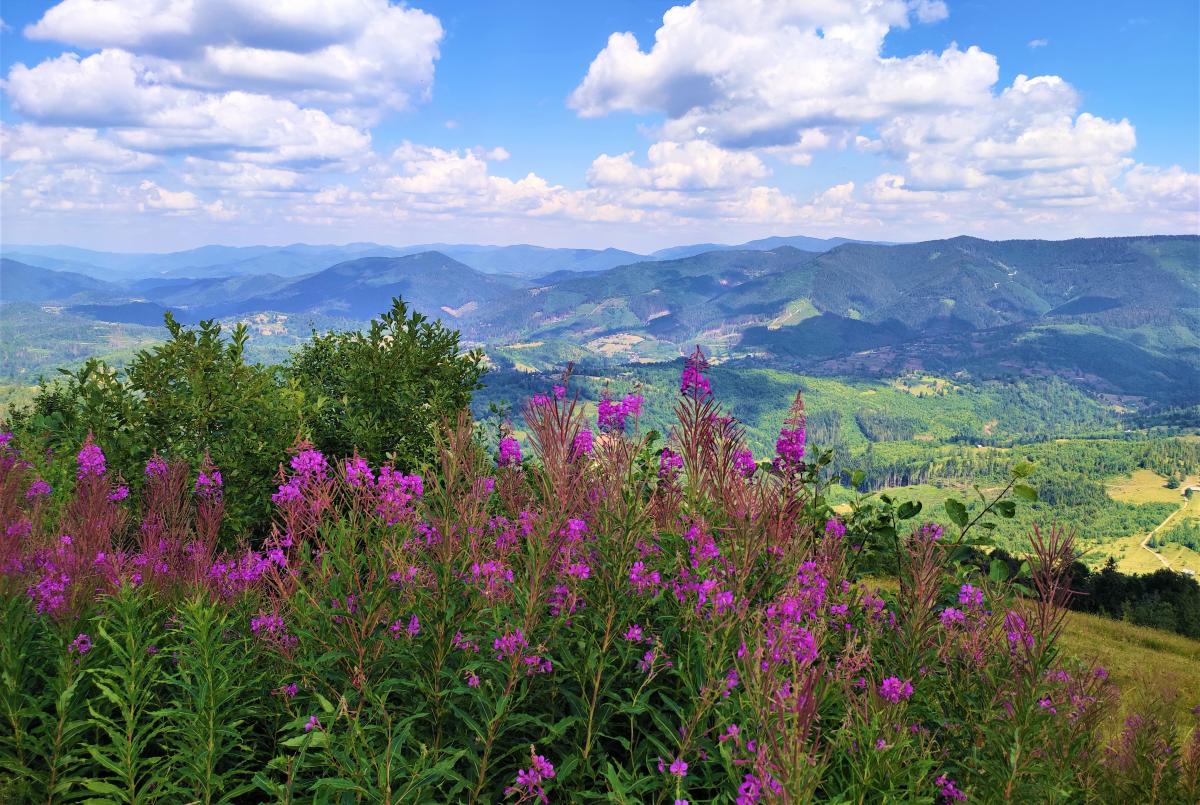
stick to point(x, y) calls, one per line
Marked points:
point(589, 612)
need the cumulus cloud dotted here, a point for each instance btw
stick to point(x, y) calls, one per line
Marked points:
point(694, 165)
point(26, 143)
point(752, 73)
point(321, 52)
point(793, 79)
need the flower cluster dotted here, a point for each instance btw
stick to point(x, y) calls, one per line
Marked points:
point(895, 690)
point(528, 786)
point(510, 453)
point(611, 415)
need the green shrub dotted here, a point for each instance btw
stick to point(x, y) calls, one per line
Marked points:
point(385, 391)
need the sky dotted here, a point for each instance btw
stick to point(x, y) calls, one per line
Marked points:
point(153, 125)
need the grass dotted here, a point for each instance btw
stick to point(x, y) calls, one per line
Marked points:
point(1144, 486)
point(1148, 663)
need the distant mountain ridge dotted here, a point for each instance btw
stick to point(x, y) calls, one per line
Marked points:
point(1120, 315)
point(298, 258)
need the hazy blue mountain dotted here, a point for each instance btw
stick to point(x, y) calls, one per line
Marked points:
point(190, 293)
point(20, 282)
point(677, 295)
point(360, 289)
point(801, 242)
point(299, 259)
point(536, 260)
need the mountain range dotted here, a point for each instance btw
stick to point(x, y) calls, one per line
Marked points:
point(298, 258)
point(1118, 315)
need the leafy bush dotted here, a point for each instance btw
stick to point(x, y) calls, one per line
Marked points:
point(192, 395)
point(385, 391)
point(595, 615)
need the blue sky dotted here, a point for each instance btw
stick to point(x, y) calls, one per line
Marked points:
point(147, 124)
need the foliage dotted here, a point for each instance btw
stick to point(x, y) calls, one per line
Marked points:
point(609, 617)
point(385, 391)
point(194, 394)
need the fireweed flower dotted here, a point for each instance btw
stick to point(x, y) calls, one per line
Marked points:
point(582, 445)
point(609, 416)
point(931, 531)
point(314, 723)
point(156, 467)
point(679, 767)
point(895, 690)
point(952, 617)
point(90, 460)
point(38, 488)
point(634, 633)
point(1016, 631)
point(970, 597)
point(119, 494)
point(358, 473)
point(310, 463)
point(669, 463)
point(949, 789)
point(835, 528)
point(560, 392)
point(208, 484)
point(529, 781)
point(693, 382)
point(510, 644)
point(789, 448)
point(750, 792)
point(510, 452)
point(744, 464)
point(396, 492)
point(81, 645)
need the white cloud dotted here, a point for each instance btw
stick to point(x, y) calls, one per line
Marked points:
point(793, 79)
point(118, 90)
point(55, 146)
point(1038, 43)
point(363, 53)
point(694, 165)
point(762, 73)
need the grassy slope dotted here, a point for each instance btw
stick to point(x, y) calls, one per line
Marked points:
point(1148, 663)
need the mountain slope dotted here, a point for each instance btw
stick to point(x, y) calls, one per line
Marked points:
point(361, 289)
point(20, 282)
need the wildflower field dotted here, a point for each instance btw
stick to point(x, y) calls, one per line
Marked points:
point(596, 614)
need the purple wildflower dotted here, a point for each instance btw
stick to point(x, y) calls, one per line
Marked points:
point(895, 689)
point(744, 463)
point(582, 445)
point(90, 460)
point(790, 449)
point(81, 645)
point(510, 452)
point(949, 789)
point(669, 463)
